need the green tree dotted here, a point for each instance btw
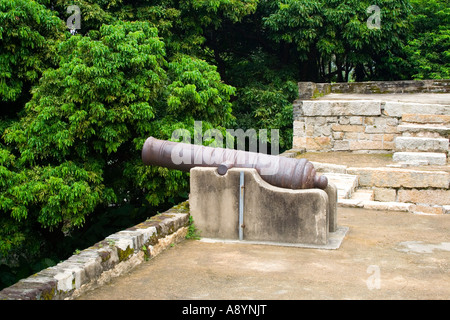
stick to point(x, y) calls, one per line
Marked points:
point(429, 47)
point(78, 145)
point(265, 93)
point(265, 53)
point(331, 37)
point(134, 69)
point(28, 34)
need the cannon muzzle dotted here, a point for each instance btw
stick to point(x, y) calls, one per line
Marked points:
point(278, 171)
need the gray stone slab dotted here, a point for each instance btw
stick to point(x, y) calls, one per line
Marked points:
point(329, 167)
point(346, 184)
point(397, 109)
point(416, 128)
point(400, 178)
point(332, 193)
point(412, 144)
point(438, 159)
point(341, 108)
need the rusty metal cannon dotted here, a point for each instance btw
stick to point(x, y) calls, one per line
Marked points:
point(278, 171)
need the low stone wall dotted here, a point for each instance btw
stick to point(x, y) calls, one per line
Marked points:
point(310, 90)
point(107, 259)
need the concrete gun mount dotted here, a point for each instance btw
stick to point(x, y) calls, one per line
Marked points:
point(241, 206)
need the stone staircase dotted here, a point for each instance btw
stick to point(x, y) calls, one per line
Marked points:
point(387, 188)
point(424, 140)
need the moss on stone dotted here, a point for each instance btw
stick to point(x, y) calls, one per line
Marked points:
point(317, 94)
point(48, 294)
point(153, 240)
point(124, 254)
point(105, 255)
point(182, 207)
point(147, 254)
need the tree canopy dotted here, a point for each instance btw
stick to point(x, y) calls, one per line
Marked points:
point(76, 107)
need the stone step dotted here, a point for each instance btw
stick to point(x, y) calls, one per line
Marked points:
point(397, 109)
point(424, 130)
point(363, 195)
point(416, 118)
point(421, 158)
point(421, 144)
point(346, 184)
point(400, 178)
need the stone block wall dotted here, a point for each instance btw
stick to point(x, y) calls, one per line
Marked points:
point(344, 126)
point(358, 125)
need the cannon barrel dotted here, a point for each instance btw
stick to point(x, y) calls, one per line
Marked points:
point(278, 171)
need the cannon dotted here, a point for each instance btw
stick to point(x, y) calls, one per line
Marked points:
point(278, 171)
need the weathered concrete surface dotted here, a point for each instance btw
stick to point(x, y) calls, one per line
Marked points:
point(270, 213)
point(410, 254)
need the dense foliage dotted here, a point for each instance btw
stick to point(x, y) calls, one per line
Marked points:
point(430, 44)
point(76, 108)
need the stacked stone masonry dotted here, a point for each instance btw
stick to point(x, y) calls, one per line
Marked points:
point(373, 126)
point(322, 125)
point(344, 126)
point(424, 140)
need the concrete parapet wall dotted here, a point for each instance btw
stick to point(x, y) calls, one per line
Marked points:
point(112, 257)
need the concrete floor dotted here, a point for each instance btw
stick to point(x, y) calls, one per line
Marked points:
point(385, 255)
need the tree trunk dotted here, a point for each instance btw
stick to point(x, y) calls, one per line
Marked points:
point(359, 72)
point(339, 69)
